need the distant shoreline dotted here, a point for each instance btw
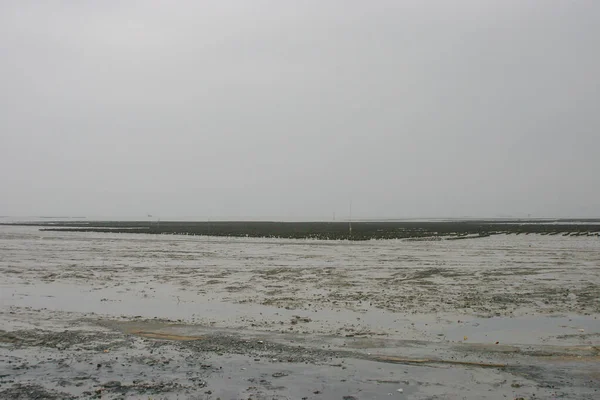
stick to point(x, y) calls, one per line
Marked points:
point(340, 230)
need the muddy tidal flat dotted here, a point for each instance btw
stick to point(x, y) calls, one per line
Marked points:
point(115, 315)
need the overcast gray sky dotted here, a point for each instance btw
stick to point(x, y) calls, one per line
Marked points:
point(289, 109)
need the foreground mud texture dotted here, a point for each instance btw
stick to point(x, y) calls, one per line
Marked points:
point(124, 315)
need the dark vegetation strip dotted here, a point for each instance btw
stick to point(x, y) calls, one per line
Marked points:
point(329, 230)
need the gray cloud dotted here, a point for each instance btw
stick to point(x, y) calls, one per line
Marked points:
point(291, 109)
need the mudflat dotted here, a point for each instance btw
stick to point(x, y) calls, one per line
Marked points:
point(117, 315)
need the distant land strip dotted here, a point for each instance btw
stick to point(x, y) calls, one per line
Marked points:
point(361, 230)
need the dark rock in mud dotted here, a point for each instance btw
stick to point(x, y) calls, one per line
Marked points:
point(112, 384)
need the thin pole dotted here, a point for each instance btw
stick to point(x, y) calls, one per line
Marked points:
point(350, 219)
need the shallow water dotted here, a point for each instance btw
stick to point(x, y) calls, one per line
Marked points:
point(502, 284)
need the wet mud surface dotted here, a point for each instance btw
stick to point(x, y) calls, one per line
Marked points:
point(119, 316)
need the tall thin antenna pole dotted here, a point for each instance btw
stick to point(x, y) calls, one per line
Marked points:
point(350, 219)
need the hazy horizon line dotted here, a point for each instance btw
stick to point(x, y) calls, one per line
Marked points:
point(274, 218)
